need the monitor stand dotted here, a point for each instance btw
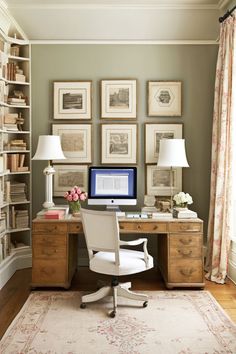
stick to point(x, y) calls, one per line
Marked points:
point(115, 208)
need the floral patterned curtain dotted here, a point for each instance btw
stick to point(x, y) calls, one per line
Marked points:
point(220, 213)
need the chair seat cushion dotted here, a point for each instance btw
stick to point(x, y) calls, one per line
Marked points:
point(131, 262)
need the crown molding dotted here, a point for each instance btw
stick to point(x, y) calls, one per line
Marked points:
point(3, 4)
point(4, 9)
point(104, 6)
point(128, 42)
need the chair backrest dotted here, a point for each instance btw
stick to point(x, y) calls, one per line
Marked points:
point(101, 230)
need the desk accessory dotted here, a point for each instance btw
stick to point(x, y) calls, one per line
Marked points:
point(49, 148)
point(172, 154)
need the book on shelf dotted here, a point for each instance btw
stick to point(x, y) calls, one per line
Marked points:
point(15, 192)
point(184, 214)
point(15, 162)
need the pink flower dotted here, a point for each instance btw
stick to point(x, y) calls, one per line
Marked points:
point(75, 197)
point(78, 190)
point(69, 198)
point(82, 196)
point(66, 195)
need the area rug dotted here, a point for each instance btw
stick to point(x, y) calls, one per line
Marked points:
point(183, 322)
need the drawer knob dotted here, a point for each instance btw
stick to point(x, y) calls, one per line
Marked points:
point(185, 241)
point(185, 253)
point(139, 227)
point(187, 272)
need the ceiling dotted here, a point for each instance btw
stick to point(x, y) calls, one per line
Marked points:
point(117, 20)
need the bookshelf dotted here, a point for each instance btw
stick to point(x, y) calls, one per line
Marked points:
point(15, 151)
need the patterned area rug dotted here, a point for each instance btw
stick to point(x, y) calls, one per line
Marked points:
point(183, 322)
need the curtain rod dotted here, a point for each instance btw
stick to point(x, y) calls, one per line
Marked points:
point(227, 14)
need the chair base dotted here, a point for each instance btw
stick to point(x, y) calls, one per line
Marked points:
point(115, 290)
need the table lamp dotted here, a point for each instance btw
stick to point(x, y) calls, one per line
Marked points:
point(49, 148)
point(172, 154)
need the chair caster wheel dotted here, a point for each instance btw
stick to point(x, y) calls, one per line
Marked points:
point(112, 314)
point(82, 305)
point(145, 304)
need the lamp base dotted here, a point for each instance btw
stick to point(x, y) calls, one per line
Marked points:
point(48, 205)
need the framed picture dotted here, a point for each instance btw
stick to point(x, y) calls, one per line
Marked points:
point(73, 100)
point(75, 141)
point(118, 99)
point(158, 180)
point(68, 176)
point(119, 143)
point(154, 133)
point(164, 98)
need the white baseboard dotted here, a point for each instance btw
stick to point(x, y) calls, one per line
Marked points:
point(17, 260)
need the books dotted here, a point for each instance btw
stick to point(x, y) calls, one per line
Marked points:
point(162, 215)
point(184, 213)
point(58, 209)
point(147, 209)
point(54, 214)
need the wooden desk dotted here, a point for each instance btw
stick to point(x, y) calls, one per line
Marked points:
point(180, 249)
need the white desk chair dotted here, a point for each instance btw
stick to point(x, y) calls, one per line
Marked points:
point(102, 236)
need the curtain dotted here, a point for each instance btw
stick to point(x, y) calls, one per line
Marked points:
point(220, 225)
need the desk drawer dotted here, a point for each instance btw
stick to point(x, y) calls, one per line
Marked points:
point(49, 252)
point(142, 227)
point(185, 240)
point(75, 228)
point(184, 271)
point(58, 241)
point(46, 272)
point(50, 228)
point(185, 227)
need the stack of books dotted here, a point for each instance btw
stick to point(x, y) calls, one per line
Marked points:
point(56, 212)
point(21, 219)
point(180, 213)
point(16, 101)
point(162, 215)
point(15, 192)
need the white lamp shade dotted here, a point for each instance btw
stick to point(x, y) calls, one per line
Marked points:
point(49, 148)
point(172, 153)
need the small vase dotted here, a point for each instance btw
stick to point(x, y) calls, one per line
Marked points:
point(183, 206)
point(74, 208)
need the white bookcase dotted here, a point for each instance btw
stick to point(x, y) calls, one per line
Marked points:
point(15, 152)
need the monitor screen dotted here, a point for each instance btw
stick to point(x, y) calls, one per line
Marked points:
point(112, 186)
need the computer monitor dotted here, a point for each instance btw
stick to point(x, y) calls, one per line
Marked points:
point(112, 186)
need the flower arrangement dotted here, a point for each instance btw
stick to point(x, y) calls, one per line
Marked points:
point(182, 199)
point(74, 197)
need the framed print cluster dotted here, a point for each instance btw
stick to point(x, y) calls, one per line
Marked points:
point(73, 100)
point(158, 180)
point(119, 143)
point(154, 133)
point(118, 99)
point(76, 141)
point(67, 176)
point(164, 98)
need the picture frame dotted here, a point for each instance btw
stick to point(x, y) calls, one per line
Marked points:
point(119, 143)
point(154, 132)
point(119, 99)
point(67, 176)
point(72, 99)
point(158, 180)
point(76, 142)
point(164, 98)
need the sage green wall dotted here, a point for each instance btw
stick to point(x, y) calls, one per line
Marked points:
point(194, 65)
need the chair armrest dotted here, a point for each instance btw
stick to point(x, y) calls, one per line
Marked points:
point(138, 242)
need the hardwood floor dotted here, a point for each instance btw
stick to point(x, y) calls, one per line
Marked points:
point(16, 291)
